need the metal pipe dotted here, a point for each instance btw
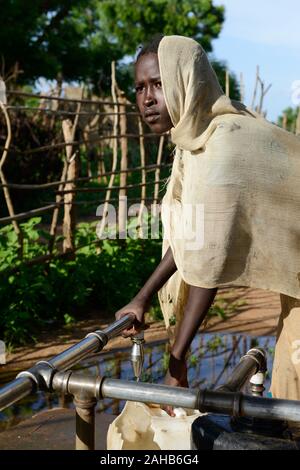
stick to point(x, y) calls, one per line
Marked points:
point(252, 362)
point(76, 353)
point(85, 423)
point(149, 393)
point(237, 404)
point(118, 326)
point(101, 387)
point(15, 390)
point(94, 342)
point(28, 380)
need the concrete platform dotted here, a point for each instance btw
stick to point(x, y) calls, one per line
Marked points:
point(52, 430)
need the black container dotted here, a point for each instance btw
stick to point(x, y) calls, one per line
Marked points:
point(220, 432)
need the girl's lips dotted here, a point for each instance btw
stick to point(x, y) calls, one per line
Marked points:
point(152, 117)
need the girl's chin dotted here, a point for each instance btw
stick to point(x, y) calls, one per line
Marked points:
point(157, 128)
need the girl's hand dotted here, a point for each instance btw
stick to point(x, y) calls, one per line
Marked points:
point(175, 377)
point(138, 306)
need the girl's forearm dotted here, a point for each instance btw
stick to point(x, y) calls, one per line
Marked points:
point(196, 309)
point(162, 273)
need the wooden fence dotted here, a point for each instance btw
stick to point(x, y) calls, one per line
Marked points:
point(80, 126)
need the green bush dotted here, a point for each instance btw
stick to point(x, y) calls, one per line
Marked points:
point(105, 274)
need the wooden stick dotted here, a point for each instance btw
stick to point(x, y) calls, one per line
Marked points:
point(122, 214)
point(88, 128)
point(284, 121)
point(255, 88)
point(158, 163)
point(69, 113)
point(227, 85)
point(297, 131)
point(62, 183)
point(28, 214)
point(111, 188)
point(58, 98)
point(69, 221)
point(242, 87)
point(8, 200)
point(143, 191)
point(115, 150)
point(147, 168)
point(79, 142)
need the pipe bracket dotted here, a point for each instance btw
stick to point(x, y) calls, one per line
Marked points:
point(100, 335)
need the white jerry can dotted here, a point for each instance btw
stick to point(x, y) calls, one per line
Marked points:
point(148, 427)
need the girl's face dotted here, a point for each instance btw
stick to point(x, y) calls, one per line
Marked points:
point(149, 95)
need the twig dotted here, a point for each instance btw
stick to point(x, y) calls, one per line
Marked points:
point(115, 149)
point(57, 98)
point(8, 200)
point(147, 168)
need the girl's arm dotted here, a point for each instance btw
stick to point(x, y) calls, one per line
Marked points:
point(140, 303)
point(198, 303)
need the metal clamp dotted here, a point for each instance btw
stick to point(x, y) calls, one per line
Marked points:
point(236, 405)
point(61, 382)
point(263, 362)
point(41, 374)
point(100, 335)
point(45, 375)
point(201, 401)
point(30, 375)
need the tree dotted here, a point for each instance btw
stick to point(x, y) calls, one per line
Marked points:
point(220, 68)
point(78, 39)
point(51, 37)
point(288, 119)
point(132, 22)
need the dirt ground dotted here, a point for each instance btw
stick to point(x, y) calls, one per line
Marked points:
point(249, 311)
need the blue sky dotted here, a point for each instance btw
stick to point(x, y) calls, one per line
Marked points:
point(264, 33)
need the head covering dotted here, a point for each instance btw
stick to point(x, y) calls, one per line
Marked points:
point(192, 92)
point(240, 172)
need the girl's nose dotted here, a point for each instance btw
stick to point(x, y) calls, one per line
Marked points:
point(149, 97)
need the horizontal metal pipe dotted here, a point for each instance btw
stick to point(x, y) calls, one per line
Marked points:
point(118, 326)
point(149, 393)
point(21, 387)
point(237, 404)
point(15, 390)
point(75, 383)
point(76, 353)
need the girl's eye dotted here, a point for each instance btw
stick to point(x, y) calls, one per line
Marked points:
point(158, 84)
point(138, 89)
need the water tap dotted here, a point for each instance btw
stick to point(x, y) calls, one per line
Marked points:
point(137, 354)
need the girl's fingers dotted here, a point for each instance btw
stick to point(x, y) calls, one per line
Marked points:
point(127, 333)
point(169, 410)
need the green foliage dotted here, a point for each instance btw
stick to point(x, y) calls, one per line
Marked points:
point(224, 307)
point(138, 20)
point(193, 360)
point(215, 343)
point(220, 68)
point(291, 115)
point(78, 39)
point(33, 297)
point(55, 37)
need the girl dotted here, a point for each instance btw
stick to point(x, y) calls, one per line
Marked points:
point(242, 174)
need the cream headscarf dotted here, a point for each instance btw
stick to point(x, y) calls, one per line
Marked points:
point(245, 172)
point(192, 92)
